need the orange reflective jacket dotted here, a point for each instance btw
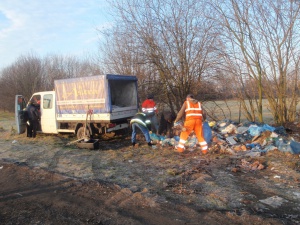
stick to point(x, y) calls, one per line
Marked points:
point(193, 110)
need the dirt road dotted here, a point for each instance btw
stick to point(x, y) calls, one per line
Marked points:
point(43, 181)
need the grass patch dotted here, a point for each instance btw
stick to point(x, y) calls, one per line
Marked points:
point(231, 110)
point(7, 123)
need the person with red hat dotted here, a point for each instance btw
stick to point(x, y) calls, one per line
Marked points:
point(150, 109)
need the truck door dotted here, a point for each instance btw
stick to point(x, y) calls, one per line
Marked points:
point(20, 114)
point(48, 114)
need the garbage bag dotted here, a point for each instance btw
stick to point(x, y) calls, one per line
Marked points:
point(176, 138)
point(207, 132)
point(280, 130)
point(283, 146)
point(295, 146)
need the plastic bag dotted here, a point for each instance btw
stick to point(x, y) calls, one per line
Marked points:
point(154, 137)
point(169, 142)
point(191, 142)
point(268, 127)
point(295, 146)
point(166, 142)
point(283, 146)
point(229, 129)
point(241, 130)
point(255, 130)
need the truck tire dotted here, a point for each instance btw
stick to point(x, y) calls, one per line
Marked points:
point(80, 133)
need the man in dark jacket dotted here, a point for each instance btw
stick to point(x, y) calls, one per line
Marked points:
point(166, 123)
point(33, 119)
point(141, 121)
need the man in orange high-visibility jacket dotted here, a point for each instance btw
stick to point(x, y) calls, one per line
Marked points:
point(194, 114)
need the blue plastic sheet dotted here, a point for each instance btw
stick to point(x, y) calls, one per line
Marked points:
point(155, 137)
point(268, 127)
point(255, 130)
point(295, 147)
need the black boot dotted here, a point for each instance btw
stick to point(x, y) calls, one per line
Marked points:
point(133, 144)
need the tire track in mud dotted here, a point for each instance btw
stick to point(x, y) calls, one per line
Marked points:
point(97, 168)
point(62, 160)
point(20, 153)
point(54, 161)
point(73, 162)
point(36, 156)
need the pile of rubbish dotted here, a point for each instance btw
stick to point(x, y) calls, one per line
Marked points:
point(228, 136)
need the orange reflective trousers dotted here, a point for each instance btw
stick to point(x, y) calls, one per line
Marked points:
point(196, 126)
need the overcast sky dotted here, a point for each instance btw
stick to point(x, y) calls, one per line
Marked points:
point(63, 27)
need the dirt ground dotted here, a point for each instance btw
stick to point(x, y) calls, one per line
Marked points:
point(46, 181)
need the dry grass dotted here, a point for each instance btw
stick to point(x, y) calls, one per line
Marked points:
point(7, 121)
point(7, 125)
point(231, 110)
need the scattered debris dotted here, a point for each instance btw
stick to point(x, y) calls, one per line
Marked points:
point(274, 201)
point(228, 137)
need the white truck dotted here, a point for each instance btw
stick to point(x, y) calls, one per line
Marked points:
point(101, 104)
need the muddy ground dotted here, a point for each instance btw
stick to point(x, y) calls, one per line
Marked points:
point(46, 181)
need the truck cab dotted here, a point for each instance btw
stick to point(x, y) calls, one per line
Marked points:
point(45, 102)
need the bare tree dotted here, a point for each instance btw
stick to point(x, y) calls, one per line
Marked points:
point(22, 77)
point(62, 67)
point(31, 73)
point(171, 39)
point(262, 40)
